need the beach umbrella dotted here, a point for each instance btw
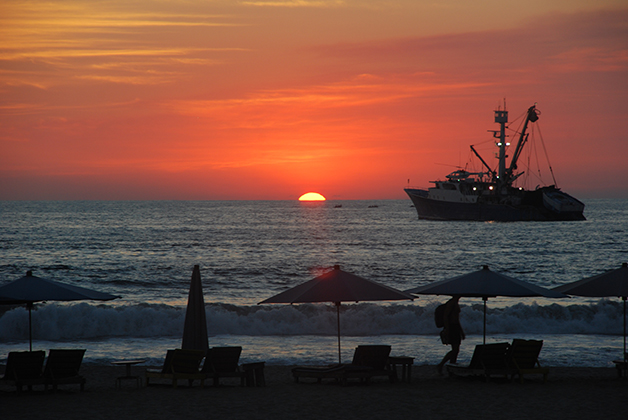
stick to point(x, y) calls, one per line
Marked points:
point(195, 326)
point(484, 283)
point(608, 284)
point(30, 289)
point(338, 286)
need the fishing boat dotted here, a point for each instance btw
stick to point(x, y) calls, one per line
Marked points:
point(491, 194)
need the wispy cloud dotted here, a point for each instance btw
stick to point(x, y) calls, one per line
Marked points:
point(85, 40)
point(580, 42)
point(363, 90)
point(591, 59)
point(294, 3)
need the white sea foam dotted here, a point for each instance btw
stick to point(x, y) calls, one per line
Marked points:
point(85, 321)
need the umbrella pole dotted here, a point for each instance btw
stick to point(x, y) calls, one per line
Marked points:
point(484, 330)
point(29, 305)
point(625, 355)
point(338, 318)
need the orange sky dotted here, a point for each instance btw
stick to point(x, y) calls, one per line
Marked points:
point(271, 99)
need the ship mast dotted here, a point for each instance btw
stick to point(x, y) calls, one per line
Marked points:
point(501, 117)
point(505, 175)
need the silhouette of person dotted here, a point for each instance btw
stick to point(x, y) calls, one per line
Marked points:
point(452, 332)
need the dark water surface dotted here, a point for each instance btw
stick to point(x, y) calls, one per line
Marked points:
point(251, 250)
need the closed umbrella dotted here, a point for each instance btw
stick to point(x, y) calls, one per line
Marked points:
point(338, 286)
point(610, 283)
point(30, 289)
point(484, 283)
point(195, 327)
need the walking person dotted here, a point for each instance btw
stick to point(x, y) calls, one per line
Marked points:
point(452, 333)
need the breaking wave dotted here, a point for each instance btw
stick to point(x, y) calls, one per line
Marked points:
point(86, 321)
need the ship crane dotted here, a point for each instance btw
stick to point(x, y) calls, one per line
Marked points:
point(468, 196)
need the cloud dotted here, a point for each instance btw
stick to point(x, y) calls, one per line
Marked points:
point(363, 90)
point(294, 3)
point(99, 41)
point(591, 41)
point(591, 59)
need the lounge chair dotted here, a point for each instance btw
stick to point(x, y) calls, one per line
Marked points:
point(62, 367)
point(488, 360)
point(368, 361)
point(222, 362)
point(524, 358)
point(179, 364)
point(25, 368)
point(621, 366)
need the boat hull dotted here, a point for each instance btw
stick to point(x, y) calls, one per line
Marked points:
point(531, 209)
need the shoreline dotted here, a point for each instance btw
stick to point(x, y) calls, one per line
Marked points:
point(569, 393)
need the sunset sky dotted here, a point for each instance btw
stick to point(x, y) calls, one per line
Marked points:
point(203, 100)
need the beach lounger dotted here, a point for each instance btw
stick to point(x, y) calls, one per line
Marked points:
point(222, 362)
point(488, 360)
point(368, 361)
point(621, 366)
point(25, 368)
point(62, 368)
point(524, 358)
point(179, 365)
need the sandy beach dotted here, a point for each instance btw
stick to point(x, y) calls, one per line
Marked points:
point(569, 393)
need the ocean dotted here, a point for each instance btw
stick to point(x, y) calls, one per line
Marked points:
point(248, 251)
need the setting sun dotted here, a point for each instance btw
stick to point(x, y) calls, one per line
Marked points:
point(312, 196)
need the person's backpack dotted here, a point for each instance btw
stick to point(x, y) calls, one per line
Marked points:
point(439, 315)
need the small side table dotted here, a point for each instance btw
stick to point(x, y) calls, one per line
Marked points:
point(406, 366)
point(128, 364)
point(254, 374)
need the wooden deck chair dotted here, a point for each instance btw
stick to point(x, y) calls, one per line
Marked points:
point(474, 368)
point(25, 368)
point(368, 361)
point(223, 362)
point(488, 360)
point(166, 369)
point(62, 367)
point(179, 365)
point(524, 358)
point(372, 356)
point(621, 366)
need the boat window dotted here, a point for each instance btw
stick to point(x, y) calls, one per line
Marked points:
point(449, 186)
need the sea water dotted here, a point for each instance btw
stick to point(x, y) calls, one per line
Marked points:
point(248, 251)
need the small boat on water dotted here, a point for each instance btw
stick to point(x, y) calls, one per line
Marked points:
point(490, 195)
